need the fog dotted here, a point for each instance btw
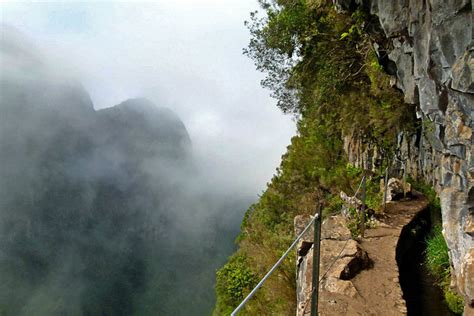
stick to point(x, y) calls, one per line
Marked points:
point(132, 140)
point(185, 55)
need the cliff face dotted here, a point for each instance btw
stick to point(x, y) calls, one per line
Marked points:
point(431, 46)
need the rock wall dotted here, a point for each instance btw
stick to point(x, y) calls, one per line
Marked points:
point(431, 44)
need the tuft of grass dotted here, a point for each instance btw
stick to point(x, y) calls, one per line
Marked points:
point(437, 258)
point(437, 262)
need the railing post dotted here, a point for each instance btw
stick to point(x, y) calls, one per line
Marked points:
point(316, 262)
point(385, 189)
point(362, 220)
point(404, 179)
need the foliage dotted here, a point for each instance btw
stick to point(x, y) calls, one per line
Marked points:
point(353, 171)
point(335, 87)
point(234, 280)
point(427, 191)
point(437, 262)
point(354, 224)
point(334, 204)
point(454, 301)
point(374, 196)
point(437, 258)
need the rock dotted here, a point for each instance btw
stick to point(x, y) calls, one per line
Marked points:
point(335, 227)
point(300, 223)
point(466, 283)
point(429, 96)
point(431, 43)
point(393, 15)
point(463, 73)
point(341, 259)
point(406, 83)
point(351, 202)
point(304, 284)
point(396, 189)
point(469, 227)
point(338, 286)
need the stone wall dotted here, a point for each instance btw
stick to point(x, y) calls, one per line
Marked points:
point(431, 44)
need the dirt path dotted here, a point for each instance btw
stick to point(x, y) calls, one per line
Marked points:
point(378, 289)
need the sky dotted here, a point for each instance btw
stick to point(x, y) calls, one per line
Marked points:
point(182, 54)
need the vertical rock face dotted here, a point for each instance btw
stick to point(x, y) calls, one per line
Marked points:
point(432, 45)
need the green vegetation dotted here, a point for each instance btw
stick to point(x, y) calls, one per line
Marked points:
point(436, 257)
point(454, 301)
point(430, 194)
point(335, 86)
point(234, 281)
point(437, 262)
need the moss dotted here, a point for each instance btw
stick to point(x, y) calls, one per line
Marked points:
point(454, 301)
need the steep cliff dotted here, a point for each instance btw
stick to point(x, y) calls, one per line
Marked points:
point(374, 84)
point(431, 45)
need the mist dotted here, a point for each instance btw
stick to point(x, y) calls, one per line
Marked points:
point(132, 140)
point(185, 55)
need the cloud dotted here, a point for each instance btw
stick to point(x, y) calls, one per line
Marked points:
point(185, 55)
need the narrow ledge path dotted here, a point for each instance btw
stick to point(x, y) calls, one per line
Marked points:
point(377, 290)
point(380, 286)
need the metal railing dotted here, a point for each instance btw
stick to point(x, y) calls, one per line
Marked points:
point(317, 230)
point(316, 220)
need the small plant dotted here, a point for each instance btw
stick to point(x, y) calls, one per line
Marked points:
point(334, 205)
point(353, 226)
point(353, 171)
point(437, 262)
point(437, 258)
point(454, 301)
point(374, 196)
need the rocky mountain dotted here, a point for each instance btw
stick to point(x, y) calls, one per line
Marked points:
point(96, 207)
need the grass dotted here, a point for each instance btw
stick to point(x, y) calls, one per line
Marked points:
point(437, 262)
point(437, 258)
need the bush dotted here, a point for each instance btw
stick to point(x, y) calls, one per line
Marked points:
point(234, 281)
point(333, 206)
point(374, 196)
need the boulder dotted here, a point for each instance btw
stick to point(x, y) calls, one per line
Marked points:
point(341, 259)
point(396, 189)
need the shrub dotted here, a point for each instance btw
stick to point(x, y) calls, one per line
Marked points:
point(234, 281)
point(333, 206)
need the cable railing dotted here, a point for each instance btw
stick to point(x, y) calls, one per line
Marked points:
point(316, 218)
point(314, 294)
